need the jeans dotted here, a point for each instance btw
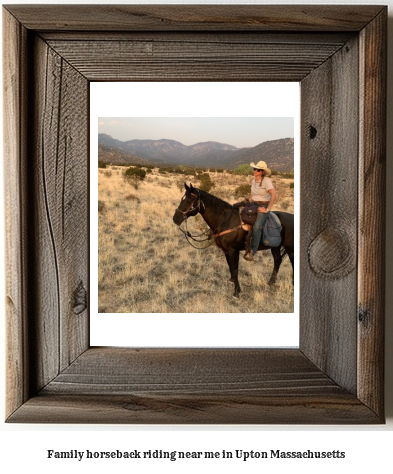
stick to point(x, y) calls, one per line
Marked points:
point(257, 230)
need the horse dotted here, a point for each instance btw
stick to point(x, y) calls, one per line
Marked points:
point(226, 227)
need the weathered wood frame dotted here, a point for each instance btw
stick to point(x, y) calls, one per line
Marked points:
point(338, 54)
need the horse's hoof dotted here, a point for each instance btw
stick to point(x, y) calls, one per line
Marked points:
point(236, 294)
point(231, 280)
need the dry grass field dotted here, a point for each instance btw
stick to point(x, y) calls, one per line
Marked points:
point(147, 266)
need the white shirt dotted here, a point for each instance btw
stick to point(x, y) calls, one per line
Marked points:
point(260, 191)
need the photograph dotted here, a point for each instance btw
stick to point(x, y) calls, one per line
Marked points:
point(170, 238)
point(196, 215)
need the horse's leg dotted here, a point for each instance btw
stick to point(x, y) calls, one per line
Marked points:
point(291, 258)
point(233, 262)
point(276, 252)
point(229, 265)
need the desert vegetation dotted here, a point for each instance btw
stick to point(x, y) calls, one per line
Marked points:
point(145, 264)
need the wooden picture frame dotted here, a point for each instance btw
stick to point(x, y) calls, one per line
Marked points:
point(338, 54)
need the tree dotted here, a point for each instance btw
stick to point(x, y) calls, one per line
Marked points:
point(134, 176)
point(244, 169)
point(205, 182)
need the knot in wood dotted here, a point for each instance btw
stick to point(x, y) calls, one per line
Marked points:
point(331, 254)
point(80, 299)
point(313, 132)
point(364, 316)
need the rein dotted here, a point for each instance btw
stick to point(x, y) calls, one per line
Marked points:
point(186, 233)
point(209, 234)
point(195, 238)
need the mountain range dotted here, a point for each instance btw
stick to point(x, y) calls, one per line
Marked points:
point(278, 154)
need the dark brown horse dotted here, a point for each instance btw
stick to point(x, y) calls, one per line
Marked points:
point(225, 224)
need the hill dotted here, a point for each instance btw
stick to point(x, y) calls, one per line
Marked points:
point(279, 154)
point(117, 156)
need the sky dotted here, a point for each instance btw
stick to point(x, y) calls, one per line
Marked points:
point(236, 131)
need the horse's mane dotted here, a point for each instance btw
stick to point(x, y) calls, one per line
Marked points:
point(219, 204)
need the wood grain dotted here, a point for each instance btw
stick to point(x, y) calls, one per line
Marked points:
point(51, 54)
point(60, 217)
point(219, 59)
point(328, 244)
point(47, 241)
point(372, 191)
point(14, 70)
point(195, 18)
point(194, 386)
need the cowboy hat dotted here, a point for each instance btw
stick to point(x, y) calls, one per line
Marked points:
point(261, 165)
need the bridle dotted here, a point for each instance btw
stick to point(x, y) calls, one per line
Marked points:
point(196, 238)
point(209, 234)
point(192, 206)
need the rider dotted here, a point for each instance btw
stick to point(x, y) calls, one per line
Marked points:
point(263, 194)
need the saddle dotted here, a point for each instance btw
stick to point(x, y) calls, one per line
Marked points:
point(271, 230)
point(248, 212)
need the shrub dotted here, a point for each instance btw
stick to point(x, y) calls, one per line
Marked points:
point(180, 184)
point(101, 206)
point(243, 191)
point(134, 176)
point(244, 169)
point(205, 182)
point(291, 185)
point(101, 164)
point(287, 175)
point(108, 173)
point(223, 192)
point(132, 197)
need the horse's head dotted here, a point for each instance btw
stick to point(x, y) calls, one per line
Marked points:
point(190, 205)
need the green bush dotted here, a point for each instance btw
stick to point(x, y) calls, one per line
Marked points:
point(134, 176)
point(244, 169)
point(205, 182)
point(243, 191)
point(101, 164)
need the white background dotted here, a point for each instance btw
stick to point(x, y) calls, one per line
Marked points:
point(368, 448)
point(186, 99)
